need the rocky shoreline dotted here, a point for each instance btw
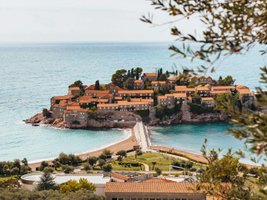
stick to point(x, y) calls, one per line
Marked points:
point(125, 119)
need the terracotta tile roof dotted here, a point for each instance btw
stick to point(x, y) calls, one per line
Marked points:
point(65, 97)
point(241, 87)
point(135, 92)
point(158, 180)
point(98, 93)
point(162, 97)
point(63, 103)
point(184, 89)
point(141, 100)
point(158, 82)
point(91, 87)
point(70, 103)
point(207, 99)
point(118, 98)
point(107, 105)
point(119, 176)
point(123, 103)
point(138, 81)
point(150, 187)
point(150, 74)
point(214, 88)
point(244, 91)
point(88, 99)
point(202, 88)
point(74, 89)
point(220, 92)
point(129, 103)
point(177, 95)
point(106, 96)
point(115, 86)
point(74, 108)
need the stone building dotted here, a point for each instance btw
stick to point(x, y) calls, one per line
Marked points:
point(160, 85)
point(135, 94)
point(126, 106)
point(185, 89)
point(75, 116)
point(169, 99)
point(139, 85)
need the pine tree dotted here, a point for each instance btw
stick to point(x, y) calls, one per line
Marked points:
point(97, 85)
point(47, 182)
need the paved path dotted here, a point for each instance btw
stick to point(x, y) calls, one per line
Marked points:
point(146, 167)
point(142, 136)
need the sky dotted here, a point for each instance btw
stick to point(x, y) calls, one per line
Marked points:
point(81, 21)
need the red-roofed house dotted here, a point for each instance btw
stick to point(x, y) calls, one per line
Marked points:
point(160, 85)
point(75, 116)
point(75, 91)
point(169, 99)
point(139, 85)
point(135, 93)
point(115, 177)
point(149, 77)
point(57, 99)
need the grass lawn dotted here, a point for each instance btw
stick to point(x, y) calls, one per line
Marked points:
point(162, 161)
point(126, 165)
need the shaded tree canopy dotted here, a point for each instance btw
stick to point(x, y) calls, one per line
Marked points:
point(228, 27)
point(47, 182)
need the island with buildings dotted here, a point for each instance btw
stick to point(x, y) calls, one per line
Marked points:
point(161, 98)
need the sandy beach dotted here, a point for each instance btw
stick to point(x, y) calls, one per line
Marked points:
point(125, 144)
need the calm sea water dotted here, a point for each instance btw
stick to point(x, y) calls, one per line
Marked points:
point(32, 73)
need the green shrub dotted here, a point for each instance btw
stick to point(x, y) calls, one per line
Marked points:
point(68, 169)
point(107, 167)
point(73, 186)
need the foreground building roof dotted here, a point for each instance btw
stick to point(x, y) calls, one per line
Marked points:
point(151, 187)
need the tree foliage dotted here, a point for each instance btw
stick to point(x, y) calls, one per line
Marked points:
point(47, 182)
point(73, 186)
point(124, 78)
point(97, 85)
point(224, 177)
point(16, 167)
point(17, 194)
point(229, 27)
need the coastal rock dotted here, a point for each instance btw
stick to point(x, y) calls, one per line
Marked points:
point(208, 117)
point(100, 119)
point(179, 119)
point(125, 119)
point(35, 119)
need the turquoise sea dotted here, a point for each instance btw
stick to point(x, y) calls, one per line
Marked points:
point(32, 73)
